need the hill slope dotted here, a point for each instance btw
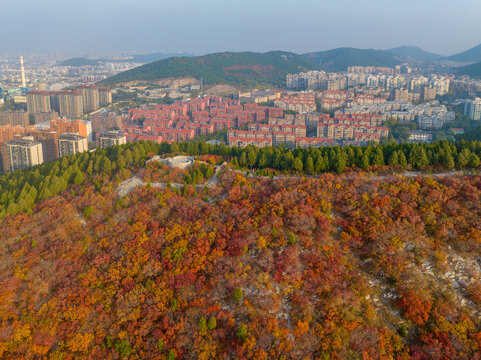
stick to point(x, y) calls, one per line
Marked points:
point(415, 53)
point(339, 59)
point(334, 267)
point(471, 55)
point(473, 70)
point(229, 67)
point(75, 62)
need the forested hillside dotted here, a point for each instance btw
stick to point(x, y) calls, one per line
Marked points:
point(275, 265)
point(473, 70)
point(471, 55)
point(235, 68)
point(340, 59)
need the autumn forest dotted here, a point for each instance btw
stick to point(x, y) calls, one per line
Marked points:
point(331, 253)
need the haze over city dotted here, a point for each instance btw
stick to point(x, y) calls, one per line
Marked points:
point(107, 27)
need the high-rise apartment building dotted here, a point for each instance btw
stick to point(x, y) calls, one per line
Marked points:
point(111, 138)
point(90, 97)
point(472, 108)
point(428, 93)
point(105, 96)
point(23, 152)
point(38, 101)
point(80, 127)
point(101, 122)
point(70, 104)
point(45, 117)
point(14, 118)
point(48, 139)
point(71, 144)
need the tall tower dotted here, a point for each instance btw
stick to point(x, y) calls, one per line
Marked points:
point(24, 83)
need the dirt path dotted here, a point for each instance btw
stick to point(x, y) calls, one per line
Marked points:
point(128, 185)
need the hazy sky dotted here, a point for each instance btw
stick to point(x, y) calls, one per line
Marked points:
point(94, 27)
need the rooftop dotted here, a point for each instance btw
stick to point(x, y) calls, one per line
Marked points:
point(70, 136)
point(25, 141)
point(112, 135)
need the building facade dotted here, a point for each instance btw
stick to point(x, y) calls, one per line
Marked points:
point(23, 152)
point(111, 138)
point(70, 104)
point(14, 118)
point(472, 108)
point(71, 144)
point(38, 101)
point(90, 98)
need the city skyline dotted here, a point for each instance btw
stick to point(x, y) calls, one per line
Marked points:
point(115, 27)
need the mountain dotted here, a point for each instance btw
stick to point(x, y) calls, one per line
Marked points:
point(473, 70)
point(148, 58)
point(415, 53)
point(471, 55)
point(332, 266)
point(339, 59)
point(235, 68)
point(142, 58)
point(75, 62)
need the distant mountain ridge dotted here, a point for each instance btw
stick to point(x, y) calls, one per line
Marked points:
point(473, 70)
point(341, 58)
point(414, 52)
point(270, 68)
point(471, 55)
point(141, 58)
point(81, 62)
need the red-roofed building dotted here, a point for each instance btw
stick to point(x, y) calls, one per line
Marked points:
point(275, 113)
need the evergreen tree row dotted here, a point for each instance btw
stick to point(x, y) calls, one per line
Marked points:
point(20, 190)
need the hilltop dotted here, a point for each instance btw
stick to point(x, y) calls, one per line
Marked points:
point(75, 62)
point(340, 59)
point(414, 52)
point(238, 69)
point(217, 263)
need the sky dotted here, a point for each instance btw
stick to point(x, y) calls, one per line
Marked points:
point(102, 27)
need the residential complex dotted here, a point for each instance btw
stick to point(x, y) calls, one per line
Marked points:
point(364, 80)
point(335, 99)
point(363, 98)
point(429, 115)
point(259, 96)
point(69, 103)
point(45, 73)
point(251, 124)
point(46, 134)
point(302, 103)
